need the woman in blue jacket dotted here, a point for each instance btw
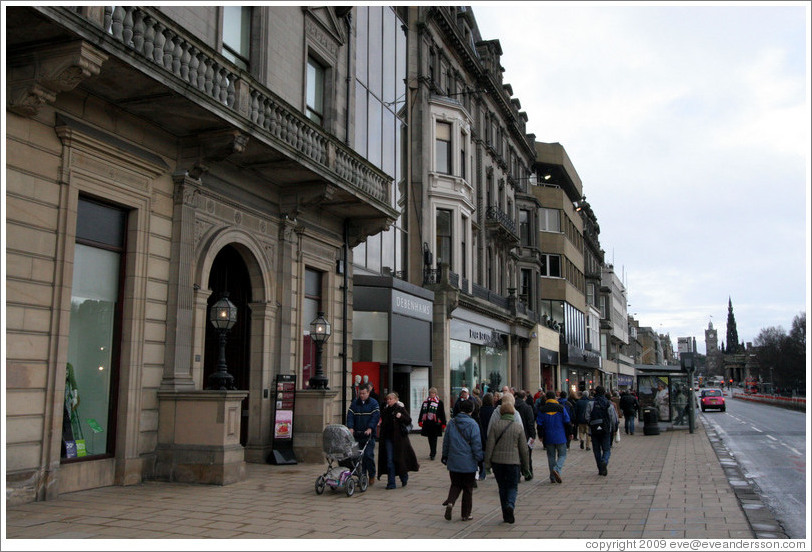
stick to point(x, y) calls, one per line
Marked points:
point(462, 452)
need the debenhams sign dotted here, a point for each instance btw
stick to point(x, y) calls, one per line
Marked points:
point(409, 305)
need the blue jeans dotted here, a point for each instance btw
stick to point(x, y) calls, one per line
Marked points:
point(629, 421)
point(602, 447)
point(507, 478)
point(368, 463)
point(559, 451)
point(390, 465)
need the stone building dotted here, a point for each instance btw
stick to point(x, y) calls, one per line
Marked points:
point(468, 158)
point(615, 342)
point(156, 159)
point(559, 192)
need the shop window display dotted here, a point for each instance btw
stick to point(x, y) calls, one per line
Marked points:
point(92, 366)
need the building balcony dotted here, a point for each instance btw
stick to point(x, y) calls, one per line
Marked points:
point(149, 66)
point(501, 225)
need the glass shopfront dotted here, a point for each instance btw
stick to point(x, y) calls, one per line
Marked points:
point(479, 355)
point(392, 324)
point(480, 366)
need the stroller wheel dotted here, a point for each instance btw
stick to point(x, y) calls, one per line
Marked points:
point(350, 486)
point(363, 482)
point(320, 483)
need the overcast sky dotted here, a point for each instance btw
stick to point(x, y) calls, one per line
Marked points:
point(689, 127)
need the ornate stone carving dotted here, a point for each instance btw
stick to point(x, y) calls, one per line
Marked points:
point(37, 75)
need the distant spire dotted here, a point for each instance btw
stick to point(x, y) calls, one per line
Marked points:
point(732, 333)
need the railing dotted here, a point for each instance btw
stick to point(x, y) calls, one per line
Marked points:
point(157, 40)
point(494, 214)
point(488, 295)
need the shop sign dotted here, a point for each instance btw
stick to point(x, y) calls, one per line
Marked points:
point(546, 356)
point(409, 305)
point(470, 333)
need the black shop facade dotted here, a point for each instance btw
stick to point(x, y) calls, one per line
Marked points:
point(391, 338)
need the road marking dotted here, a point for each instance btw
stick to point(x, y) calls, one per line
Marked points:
point(793, 450)
point(756, 429)
point(771, 437)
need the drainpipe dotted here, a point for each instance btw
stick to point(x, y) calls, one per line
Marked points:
point(344, 294)
point(348, 21)
point(345, 245)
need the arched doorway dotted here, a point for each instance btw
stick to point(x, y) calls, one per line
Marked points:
point(229, 273)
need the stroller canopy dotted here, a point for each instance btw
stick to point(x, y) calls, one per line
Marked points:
point(337, 441)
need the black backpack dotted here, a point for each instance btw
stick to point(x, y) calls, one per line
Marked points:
point(599, 419)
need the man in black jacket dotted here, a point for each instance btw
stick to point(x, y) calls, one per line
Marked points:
point(629, 406)
point(529, 423)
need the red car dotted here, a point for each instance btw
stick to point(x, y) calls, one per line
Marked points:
point(712, 398)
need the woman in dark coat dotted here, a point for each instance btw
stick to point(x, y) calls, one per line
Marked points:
point(432, 420)
point(485, 412)
point(395, 453)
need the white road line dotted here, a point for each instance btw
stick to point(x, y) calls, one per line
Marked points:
point(771, 437)
point(793, 449)
point(756, 429)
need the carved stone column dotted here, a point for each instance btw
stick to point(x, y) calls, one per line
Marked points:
point(37, 75)
point(286, 325)
point(181, 303)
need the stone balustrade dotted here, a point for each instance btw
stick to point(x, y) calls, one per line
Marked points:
point(161, 42)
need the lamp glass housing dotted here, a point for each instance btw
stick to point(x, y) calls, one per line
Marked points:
point(223, 314)
point(320, 329)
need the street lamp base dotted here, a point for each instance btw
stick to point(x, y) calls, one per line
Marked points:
point(221, 380)
point(317, 382)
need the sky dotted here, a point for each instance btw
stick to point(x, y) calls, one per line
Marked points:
point(689, 126)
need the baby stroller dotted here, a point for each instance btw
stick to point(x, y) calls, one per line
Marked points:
point(341, 448)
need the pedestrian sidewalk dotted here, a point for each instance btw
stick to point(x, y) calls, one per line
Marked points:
point(668, 486)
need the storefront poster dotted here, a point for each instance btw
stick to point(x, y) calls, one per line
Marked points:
point(283, 424)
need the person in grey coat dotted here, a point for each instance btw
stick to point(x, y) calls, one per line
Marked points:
point(506, 454)
point(462, 453)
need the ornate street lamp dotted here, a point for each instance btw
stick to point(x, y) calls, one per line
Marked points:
point(223, 316)
point(319, 333)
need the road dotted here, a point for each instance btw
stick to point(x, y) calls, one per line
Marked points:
point(769, 443)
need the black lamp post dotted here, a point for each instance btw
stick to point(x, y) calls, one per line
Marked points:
point(687, 362)
point(223, 316)
point(319, 333)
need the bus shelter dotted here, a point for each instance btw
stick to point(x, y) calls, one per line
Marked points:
point(665, 388)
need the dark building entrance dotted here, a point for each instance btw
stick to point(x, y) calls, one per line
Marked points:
point(229, 273)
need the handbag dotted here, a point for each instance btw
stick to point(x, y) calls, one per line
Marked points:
point(405, 429)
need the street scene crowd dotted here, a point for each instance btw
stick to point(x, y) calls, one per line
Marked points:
point(493, 435)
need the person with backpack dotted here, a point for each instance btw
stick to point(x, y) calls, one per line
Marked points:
point(603, 423)
point(629, 406)
point(554, 431)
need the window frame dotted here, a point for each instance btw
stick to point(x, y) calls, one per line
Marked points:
point(311, 111)
point(546, 265)
point(237, 56)
point(545, 217)
point(446, 146)
point(441, 240)
point(113, 395)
